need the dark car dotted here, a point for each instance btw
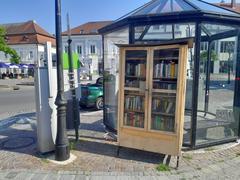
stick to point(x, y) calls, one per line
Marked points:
point(92, 95)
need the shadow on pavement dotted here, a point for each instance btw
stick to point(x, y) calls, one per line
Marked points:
point(21, 137)
point(18, 133)
point(105, 149)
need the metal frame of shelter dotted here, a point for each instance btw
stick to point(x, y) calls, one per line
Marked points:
point(187, 11)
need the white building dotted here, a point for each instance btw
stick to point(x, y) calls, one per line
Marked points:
point(87, 43)
point(28, 39)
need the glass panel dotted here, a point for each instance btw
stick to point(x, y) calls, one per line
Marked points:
point(165, 72)
point(149, 9)
point(164, 32)
point(138, 31)
point(111, 73)
point(184, 30)
point(135, 82)
point(163, 111)
point(136, 69)
point(134, 109)
point(216, 28)
point(165, 6)
point(215, 117)
point(158, 7)
point(188, 99)
point(211, 8)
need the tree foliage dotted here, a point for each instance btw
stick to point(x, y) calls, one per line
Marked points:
point(6, 49)
point(204, 55)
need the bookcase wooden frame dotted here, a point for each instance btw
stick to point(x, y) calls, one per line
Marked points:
point(145, 138)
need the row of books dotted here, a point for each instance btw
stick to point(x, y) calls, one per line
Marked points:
point(162, 123)
point(134, 119)
point(134, 103)
point(138, 70)
point(163, 105)
point(165, 69)
point(135, 83)
point(164, 85)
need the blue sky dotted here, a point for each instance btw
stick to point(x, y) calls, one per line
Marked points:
point(80, 11)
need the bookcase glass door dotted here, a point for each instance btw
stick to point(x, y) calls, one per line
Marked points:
point(164, 89)
point(134, 90)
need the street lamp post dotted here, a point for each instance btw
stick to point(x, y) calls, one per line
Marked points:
point(62, 151)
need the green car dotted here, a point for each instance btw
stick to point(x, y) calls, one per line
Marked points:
point(92, 95)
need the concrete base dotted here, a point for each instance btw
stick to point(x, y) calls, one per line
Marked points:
point(70, 160)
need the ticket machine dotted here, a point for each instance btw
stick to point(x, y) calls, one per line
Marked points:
point(46, 92)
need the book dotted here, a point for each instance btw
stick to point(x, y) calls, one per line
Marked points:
point(165, 69)
point(172, 70)
point(169, 108)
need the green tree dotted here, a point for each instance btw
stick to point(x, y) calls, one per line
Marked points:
point(204, 56)
point(6, 49)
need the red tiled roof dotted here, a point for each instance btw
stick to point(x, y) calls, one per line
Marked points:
point(90, 28)
point(229, 6)
point(29, 27)
point(27, 33)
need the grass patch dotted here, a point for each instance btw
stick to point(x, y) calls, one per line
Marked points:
point(72, 145)
point(44, 160)
point(182, 178)
point(163, 167)
point(187, 157)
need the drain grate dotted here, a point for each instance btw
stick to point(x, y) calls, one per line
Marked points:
point(17, 143)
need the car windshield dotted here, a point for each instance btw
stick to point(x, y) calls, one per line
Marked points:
point(100, 81)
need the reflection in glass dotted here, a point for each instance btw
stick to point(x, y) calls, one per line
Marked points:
point(164, 31)
point(111, 75)
point(215, 117)
point(211, 8)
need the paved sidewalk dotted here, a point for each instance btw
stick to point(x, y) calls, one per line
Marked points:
point(97, 157)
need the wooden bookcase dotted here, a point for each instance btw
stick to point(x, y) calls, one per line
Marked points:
point(152, 97)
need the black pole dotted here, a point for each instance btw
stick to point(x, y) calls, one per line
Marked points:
point(195, 84)
point(62, 151)
point(236, 104)
point(76, 117)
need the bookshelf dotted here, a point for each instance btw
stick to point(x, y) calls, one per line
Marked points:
point(152, 97)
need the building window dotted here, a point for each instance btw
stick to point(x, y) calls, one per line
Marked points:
point(227, 46)
point(204, 46)
point(21, 54)
point(93, 49)
point(156, 27)
point(79, 49)
point(30, 55)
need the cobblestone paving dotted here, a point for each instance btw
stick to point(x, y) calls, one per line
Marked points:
point(97, 158)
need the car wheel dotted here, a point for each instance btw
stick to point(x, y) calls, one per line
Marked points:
point(99, 103)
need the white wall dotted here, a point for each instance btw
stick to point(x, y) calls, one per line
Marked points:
point(85, 41)
point(27, 53)
point(24, 51)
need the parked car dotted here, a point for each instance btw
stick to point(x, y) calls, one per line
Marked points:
point(92, 95)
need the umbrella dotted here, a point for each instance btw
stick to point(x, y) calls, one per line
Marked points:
point(23, 65)
point(13, 66)
point(3, 65)
point(31, 66)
